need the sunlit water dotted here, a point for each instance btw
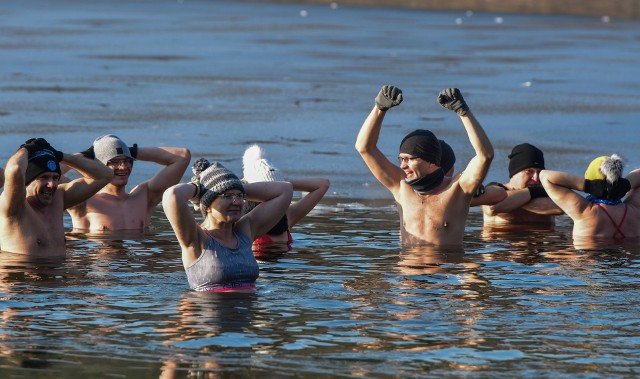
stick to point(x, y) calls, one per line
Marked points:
point(347, 301)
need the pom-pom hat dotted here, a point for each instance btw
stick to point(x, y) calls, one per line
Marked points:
point(256, 167)
point(216, 180)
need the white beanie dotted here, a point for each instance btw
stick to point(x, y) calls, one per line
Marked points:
point(256, 168)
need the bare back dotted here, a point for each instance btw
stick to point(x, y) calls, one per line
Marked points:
point(603, 221)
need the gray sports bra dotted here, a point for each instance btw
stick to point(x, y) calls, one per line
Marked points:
point(220, 268)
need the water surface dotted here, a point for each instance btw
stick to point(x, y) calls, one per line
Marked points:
point(347, 301)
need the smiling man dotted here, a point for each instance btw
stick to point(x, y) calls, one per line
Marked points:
point(33, 201)
point(113, 208)
point(433, 208)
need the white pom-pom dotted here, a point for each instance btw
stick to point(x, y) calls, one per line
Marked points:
point(251, 155)
point(612, 168)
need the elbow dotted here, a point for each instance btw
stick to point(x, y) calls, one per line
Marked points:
point(185, 154)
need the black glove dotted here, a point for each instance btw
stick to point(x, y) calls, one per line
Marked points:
point(596, 188)
point(537, 191)
point(58, 154)
point(479, 191)
point(618, 189)
point(134, 150)
point(389, 96)
point(34, 145)
point(89, 153)
point(452, 99)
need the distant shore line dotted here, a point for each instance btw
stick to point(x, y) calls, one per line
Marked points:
point(622, 9)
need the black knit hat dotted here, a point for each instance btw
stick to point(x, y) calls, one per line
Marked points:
point(525, 156)
point(40, 162)
point(447, 158)
point(423, 144)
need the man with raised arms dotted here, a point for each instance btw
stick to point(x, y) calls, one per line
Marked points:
point(113, 208)
point(33, 201)
point(433, 208)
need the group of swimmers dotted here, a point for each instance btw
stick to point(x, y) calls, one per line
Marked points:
point(241, 215)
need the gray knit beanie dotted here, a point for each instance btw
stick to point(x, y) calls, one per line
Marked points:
point(216, 180)
point(108, 147)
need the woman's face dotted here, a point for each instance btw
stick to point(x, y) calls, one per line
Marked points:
point(228, 206)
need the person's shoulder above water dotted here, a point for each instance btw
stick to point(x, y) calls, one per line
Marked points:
point(114, 208)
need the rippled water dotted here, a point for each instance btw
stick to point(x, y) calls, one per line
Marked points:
point(347, 301)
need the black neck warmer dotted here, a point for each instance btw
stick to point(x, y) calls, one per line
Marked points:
point(427, 182)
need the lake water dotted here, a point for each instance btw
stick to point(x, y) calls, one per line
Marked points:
point(347, 301)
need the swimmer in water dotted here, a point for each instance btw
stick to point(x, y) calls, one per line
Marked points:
point(113, 208)
point(33, 201)
point(217, 254)
point(603, 214)
point(433, 208)
point(256, 168)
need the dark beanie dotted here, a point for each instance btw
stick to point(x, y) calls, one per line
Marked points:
point(40, 162)
point(525, 156)
point(447, 158)
point(423, 144)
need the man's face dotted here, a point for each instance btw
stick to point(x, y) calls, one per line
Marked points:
point(526, 178)
point(121, 167)
point(415, 167)
point(43, 188)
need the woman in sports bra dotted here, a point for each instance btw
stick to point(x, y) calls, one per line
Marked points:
point(602, 215)
point(216, 253)
point(257, 168)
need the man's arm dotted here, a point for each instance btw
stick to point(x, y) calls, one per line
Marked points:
point(478, 167)
point(491, 195)
point(12, 199)
point(521, 199)
point(175, 160)
point(1, 177)
point(95, 175)
point(388, 174)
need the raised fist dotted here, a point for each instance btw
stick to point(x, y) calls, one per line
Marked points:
point(389, 96)
point(452, 99)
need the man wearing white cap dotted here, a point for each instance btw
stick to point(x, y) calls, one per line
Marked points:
point(113, 208)
point(33, 201)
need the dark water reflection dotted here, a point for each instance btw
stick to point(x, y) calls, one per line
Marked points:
point(346, 301)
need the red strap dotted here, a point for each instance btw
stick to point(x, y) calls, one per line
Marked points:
point(618, 231)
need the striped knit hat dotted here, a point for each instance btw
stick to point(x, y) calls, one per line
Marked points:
point(216, 179)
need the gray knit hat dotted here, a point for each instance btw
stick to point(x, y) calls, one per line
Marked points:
point(256, 167)
point(108, 147)
point(216, 180)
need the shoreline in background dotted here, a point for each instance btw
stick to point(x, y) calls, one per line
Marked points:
point(623, 9)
